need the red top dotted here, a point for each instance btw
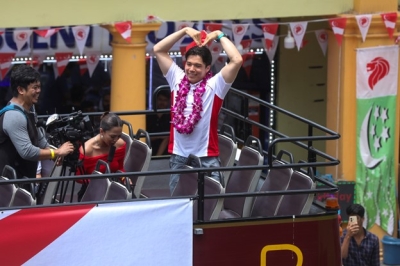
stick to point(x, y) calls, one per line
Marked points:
point(89, 163)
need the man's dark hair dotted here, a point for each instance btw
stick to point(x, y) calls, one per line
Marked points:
point(110, 120)
point(203, 52)
point(21, 76)
point(165, 93)
point(355, 209)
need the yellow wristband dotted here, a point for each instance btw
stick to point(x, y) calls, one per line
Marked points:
point(52, 154)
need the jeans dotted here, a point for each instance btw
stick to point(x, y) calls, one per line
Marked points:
point(176, 162)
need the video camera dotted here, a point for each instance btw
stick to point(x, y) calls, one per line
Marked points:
point(74, 127)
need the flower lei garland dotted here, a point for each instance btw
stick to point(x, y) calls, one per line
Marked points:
point(185, 125)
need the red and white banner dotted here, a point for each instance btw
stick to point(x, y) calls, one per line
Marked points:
point(269, 31)
point(390, 22)
point(248, 62)
point(92, 60)
point(62, 61)
point(81, 34)
point(21, 37)
point(210, 27)
point(5, 63)
point(298, 30)
point(239, 30)
point(322, 38)
point(364, 22)
point(338, 25)
point(106, 234)
point(272, 50)
point(46, 33)
point(125, 29)
point(37, 60)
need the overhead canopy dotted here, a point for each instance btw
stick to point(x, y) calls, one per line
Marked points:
point(43, 13)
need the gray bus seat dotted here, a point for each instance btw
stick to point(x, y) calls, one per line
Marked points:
point(227, 149)
point(97, 189)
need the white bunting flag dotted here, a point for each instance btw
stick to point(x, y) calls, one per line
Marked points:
point(21, 37)
point(81, 34)
point(271, 52)
point(216, 50)
point(322, 38)
point(364, 21)
point(62, 61)
point(125, 29)
point(5, 63)
point(298, 30)
point(92, 59)
point(239, 30)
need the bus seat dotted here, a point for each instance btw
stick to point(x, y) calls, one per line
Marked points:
point(298, 203)
point(276, 180)
point(22, 198)
point(227, 149)
point(97, 189)
point(7, 193)
point(117, 191)
point(243, 181)
point(138, 160)
point(212, 207)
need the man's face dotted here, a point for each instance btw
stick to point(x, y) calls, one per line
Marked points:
point(162, 102)
point(195, 68)
point(31, 93)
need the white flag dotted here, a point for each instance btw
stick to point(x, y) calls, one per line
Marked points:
point(92, 59)
point(239, 30)
point(81, 34)
point(322, 37)
point(298, 30)
point(271, 52)
point(364, 21)
point(21, 37)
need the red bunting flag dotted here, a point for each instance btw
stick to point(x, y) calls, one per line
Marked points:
point(47, 32)
point(338, 25)
point(390, 22)
point(124, 28)
point(183, 52)
point(248, 62)
point(37, 60)
point(269, 30)
point(220, 63)
point(216, 49)
point(210, 27)
point(82, 66)
point(62, 61)
point(5, 63)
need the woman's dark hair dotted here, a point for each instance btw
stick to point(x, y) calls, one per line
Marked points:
point(110, 120)
point(22, 76)
point(203, 52)
point(355, 209)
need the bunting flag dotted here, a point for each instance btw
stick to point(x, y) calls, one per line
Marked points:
point(239, 30)
point(269, 31)
point(62, 61)
point(376, 164)
point(5, 63)
point(298, 30)
point(81, 34)
point(183, 52)
point(364, 22)
point(37, 60)
point(124, 28)
point(246, 45)
point(303, 43)
point(272, 50)
point(47, 32)
point(338, 25)
point(21, 37)
point(210, 27)
point(390, 22)
point(180, 25)
point(151, 18)
point(2, 30)
point(92, 60)
point(216, 49)
point(247, 62)
point(220, 63)
point(322, 38)
point(82, 66)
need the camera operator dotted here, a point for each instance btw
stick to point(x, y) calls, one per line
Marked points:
point(22, 145)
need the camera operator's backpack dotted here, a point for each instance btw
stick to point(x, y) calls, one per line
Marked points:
point(12, 107)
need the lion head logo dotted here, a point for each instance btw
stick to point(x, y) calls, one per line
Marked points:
point(379, 68)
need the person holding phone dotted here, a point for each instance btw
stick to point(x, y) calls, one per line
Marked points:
point(358, 246)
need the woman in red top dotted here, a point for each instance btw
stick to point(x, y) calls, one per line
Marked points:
point(98, 147)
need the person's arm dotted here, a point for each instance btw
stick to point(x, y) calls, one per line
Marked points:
point(230, 71)
point(352, 229)
point(163, 146)
point(162, 48)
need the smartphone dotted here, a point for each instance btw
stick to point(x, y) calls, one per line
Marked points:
point(353, 219)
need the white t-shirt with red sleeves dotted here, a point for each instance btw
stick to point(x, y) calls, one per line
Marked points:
point(203, 141)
